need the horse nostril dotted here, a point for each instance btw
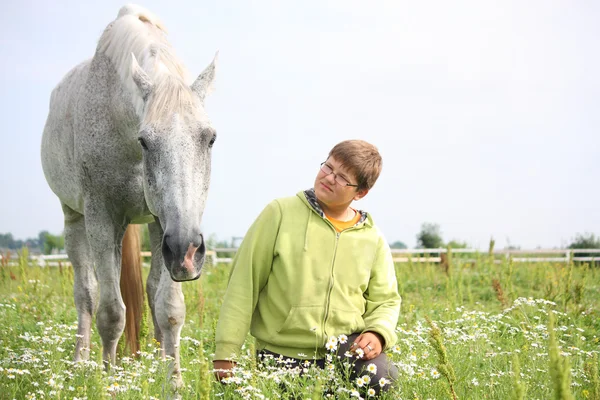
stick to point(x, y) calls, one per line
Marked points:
point(199, 243)
point(167, 250)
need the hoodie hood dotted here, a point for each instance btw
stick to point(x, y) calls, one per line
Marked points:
point(311, 199)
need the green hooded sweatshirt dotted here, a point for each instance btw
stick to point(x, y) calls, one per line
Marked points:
point(295, 282)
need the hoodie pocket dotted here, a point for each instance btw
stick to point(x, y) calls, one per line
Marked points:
point(302, 319)
point(301, 328)
point(344, 321)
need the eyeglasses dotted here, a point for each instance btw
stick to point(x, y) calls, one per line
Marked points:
point(327, 170)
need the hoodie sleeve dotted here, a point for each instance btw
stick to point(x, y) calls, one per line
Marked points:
point(249, 273)
point(383, 300)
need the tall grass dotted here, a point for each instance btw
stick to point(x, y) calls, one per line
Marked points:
point(495, 345)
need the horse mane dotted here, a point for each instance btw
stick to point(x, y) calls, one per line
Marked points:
point(138, 31)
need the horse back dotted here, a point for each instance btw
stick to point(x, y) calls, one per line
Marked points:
point(58, 140)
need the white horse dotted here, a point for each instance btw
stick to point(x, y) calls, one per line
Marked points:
point(128, 143)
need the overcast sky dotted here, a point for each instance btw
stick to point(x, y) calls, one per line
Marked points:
point(487, 114)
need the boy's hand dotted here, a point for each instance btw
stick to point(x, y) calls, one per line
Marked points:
point(370, 343)
point(223, 369)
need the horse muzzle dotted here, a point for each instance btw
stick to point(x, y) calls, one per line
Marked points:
point(183, 258)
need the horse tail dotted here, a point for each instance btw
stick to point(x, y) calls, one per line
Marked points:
point(132, 289)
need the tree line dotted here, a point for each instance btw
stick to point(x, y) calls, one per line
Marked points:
point(429, 237)
point(45, 243)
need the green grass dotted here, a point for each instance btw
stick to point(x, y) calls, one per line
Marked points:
point(490, 317)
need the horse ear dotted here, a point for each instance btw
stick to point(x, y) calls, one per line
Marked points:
point(203, 84)
point(141, 78)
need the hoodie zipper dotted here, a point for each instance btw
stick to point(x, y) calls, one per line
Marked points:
point(331, 279)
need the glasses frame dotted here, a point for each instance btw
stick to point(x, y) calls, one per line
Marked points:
point(335, 176)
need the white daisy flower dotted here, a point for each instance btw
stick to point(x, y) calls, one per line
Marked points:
point(372, 368)
point(343, 339)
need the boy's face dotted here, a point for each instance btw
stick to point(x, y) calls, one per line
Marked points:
point(332, 193)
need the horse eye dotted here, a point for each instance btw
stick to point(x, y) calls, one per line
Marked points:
point(143, 143)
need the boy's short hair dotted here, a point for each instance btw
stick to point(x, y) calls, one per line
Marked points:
point(361, 159)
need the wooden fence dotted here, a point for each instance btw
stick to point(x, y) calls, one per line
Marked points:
point(399, 256)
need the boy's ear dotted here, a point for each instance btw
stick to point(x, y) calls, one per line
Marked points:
point(361, 193)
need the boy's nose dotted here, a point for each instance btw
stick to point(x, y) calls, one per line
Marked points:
point(330, 178)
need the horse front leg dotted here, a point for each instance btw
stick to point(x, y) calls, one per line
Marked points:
point(167, 305)
point(105, 240)
point(170, 315)
point(156, 268)
point(85, 286)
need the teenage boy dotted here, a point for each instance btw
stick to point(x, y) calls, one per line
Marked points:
point(312, 268)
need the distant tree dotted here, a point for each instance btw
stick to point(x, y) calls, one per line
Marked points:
point(42, 239)
point(585, 241)
point(53, 242)
point(398, 245)
point(7, 241)
point(455, 244)
point(430, 236)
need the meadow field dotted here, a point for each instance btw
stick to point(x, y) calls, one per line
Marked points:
point(470, 330)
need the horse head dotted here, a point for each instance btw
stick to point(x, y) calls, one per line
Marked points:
point(176, 138)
